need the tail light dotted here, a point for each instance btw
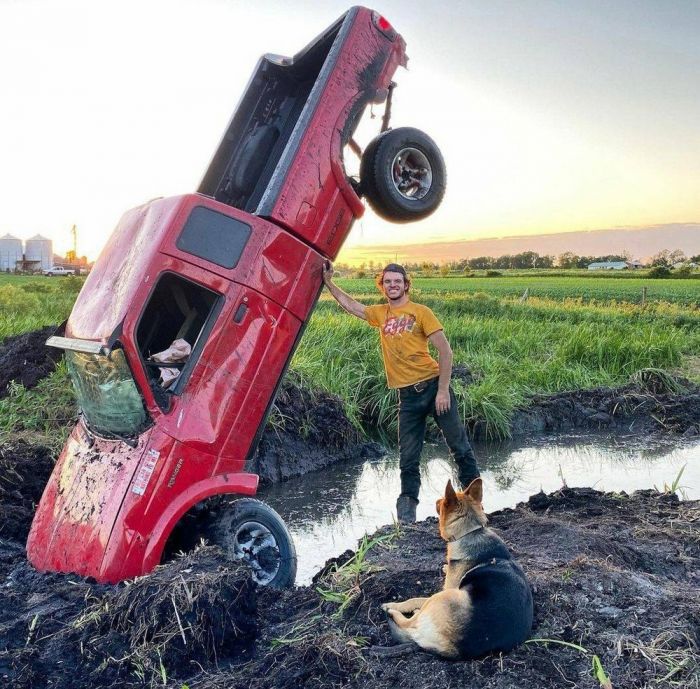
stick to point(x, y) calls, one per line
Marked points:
point(384, 25)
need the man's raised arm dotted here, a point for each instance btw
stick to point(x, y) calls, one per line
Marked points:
point(345, 300)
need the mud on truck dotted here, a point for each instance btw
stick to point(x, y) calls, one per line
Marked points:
point(184, 328)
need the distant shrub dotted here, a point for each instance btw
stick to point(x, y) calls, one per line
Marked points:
point(37, 288)
point(71, 283)
point(683, 272)
point(493, 273)
point(15, 299)
point(659, 272)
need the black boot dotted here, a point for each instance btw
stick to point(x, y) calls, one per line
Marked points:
point(406, 509)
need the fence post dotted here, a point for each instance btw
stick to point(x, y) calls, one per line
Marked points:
point(644, 296)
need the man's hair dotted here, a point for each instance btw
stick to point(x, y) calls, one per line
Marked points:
point(392, 268)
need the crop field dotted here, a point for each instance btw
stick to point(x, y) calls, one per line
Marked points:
point(581, 285)
point(570, 333)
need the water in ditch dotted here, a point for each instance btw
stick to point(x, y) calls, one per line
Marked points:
point(328, 511)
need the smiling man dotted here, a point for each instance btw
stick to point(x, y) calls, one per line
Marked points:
point(423, 384)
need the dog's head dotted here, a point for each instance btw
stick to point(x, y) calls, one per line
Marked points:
point(461, 509)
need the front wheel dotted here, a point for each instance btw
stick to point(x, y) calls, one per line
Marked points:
point(251, 531)
point(402, 175)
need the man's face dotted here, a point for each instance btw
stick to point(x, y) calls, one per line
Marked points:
point(394, 285)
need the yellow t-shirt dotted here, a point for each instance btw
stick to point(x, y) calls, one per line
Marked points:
point(404, 332)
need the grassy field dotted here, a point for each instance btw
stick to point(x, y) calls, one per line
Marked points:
point(579, 285)
point(570, 333)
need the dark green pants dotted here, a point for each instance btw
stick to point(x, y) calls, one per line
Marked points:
point(416, 403)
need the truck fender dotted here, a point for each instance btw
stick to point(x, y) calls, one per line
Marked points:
point(233, 483)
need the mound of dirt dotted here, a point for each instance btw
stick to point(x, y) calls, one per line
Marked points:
point(26, 359)
point(628, 407)
point(309, 431)
point(24, 471)
point(615, 577)
point(62, 631)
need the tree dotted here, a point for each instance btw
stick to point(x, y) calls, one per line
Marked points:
point(427, 269)
point(660, 259)
point(480, 262)
point(444, 270)
point(568, 260)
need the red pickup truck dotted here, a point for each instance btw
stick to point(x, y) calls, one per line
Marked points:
point(184, 328)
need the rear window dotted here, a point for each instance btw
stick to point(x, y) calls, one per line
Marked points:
point(213, 236)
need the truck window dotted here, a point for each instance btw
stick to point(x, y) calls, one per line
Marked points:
point(214, 237)
point(177, 310)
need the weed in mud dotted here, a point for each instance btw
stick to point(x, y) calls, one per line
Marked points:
point(675, 484)
point(344, 580)
point(297, 634)
point(672, 657)
point(596, 665)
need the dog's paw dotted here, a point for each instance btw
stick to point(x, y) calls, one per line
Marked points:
point(388, 606)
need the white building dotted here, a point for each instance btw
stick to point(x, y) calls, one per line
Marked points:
point(608, 265)
point(38, 248)
point(10, 252)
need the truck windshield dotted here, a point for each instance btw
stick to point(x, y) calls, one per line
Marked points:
point(107, 393)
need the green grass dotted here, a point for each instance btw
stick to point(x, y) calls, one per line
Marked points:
point(515, 349)
point(561, 339)
point(587, 287)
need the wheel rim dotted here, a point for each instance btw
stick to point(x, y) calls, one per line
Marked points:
point(255, 544)
point(412, 174)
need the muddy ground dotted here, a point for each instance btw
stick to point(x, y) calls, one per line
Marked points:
point(635, 407)
point(26, 359)
point(616, 575)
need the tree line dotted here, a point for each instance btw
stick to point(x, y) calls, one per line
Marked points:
point(527, 259)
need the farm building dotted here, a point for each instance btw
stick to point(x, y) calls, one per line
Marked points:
point(10, 252)
point(608, 265)
point(39, 249)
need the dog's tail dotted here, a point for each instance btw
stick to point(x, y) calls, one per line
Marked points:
point(394, 651)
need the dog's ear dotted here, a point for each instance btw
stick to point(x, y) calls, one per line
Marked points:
point(450, 495)
point(476, 490)
point(438, 505)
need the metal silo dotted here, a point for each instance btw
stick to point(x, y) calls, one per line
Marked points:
point(10, 252)
point(38, 248)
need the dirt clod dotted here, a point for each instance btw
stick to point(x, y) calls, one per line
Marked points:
point(26, 359)
point(24, 471)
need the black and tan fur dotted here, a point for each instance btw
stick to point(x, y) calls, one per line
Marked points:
point(486, 602)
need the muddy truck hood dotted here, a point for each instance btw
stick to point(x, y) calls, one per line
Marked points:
point(81, 503)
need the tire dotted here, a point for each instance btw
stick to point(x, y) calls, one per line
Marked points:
point(249, 530)
point(402, 175)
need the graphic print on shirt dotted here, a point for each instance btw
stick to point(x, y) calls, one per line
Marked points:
point(396, 325)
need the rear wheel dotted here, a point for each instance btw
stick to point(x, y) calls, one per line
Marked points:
point(403, 175)
point(251, 531)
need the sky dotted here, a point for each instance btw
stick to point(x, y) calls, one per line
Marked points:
point(553, 116)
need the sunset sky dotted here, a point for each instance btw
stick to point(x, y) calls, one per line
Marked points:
point(553, 116)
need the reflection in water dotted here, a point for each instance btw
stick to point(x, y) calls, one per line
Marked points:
point(329, 511)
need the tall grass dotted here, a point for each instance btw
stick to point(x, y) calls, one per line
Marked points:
point(515, 349)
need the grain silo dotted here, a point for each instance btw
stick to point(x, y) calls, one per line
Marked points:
point(38, 248)
point(10, 252)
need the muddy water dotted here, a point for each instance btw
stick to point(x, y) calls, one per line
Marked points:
point(327, 512)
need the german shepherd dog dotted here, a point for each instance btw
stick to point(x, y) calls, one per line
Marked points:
point(486, 603)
